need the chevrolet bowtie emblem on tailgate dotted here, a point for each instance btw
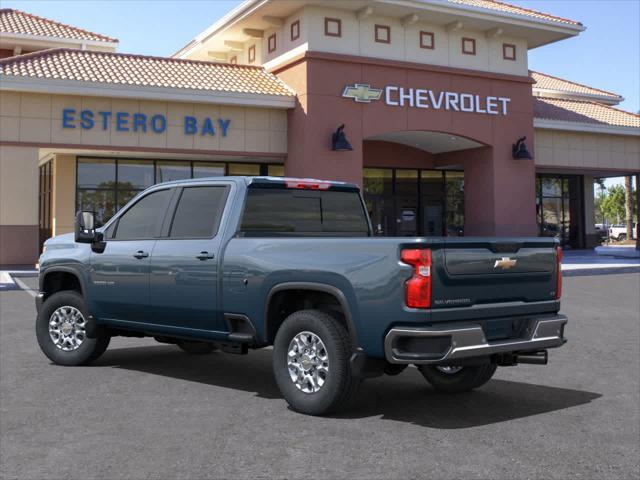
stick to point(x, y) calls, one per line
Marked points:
point(505, 263)
point(362, 93)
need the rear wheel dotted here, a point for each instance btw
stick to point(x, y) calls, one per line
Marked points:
point(61, 331)
point(311, 365)
point(451, 379)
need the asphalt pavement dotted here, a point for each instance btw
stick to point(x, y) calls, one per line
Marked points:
point(150, 411)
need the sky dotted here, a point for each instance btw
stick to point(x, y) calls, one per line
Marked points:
point(605, 56)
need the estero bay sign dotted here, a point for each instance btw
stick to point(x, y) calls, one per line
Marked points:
point(424, 98)
point(140, 122)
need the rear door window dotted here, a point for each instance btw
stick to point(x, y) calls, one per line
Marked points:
point(291, 212)
point(198, 212)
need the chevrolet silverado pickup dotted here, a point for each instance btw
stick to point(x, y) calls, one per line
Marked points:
point(239, 263)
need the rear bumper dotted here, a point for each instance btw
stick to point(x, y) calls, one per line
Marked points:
point(441, 344)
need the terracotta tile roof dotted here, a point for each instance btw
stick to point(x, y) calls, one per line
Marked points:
point(583, 112)
point(515, 10)
point(16, 21)
point(143, 71)
point(548, 82)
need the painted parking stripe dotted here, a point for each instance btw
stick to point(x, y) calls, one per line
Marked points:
point(25, 287)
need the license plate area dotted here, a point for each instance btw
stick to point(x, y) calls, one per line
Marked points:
point(505, 328)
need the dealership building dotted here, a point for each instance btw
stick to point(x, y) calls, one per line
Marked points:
point(434, 96)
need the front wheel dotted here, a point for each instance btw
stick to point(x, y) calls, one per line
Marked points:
point(311, 366)
point(457, 379)
point(61, 331)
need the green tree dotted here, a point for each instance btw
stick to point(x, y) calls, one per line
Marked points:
point(613, 205)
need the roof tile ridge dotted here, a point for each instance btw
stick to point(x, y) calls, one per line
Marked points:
point(105, 37)
point(591, 102)
point(575, 83)
point(31, 55)
point(518, 7)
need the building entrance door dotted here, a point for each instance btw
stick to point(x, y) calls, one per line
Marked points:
point(409, 203)
point(559, 208)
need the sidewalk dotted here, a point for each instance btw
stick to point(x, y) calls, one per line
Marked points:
point(590, 262)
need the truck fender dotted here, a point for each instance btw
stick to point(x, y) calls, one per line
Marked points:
point(318, 287)
point(65, 269)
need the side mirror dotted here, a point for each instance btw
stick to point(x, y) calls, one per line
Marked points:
point(85, 231)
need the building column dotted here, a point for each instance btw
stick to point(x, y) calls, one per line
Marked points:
point(591, 237)
point(63, 202)
point(19, 229)
point(499, 192)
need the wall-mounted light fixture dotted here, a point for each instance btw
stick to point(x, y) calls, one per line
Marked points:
point(339, 142)
point(519, 150)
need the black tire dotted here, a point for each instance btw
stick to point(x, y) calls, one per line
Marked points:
point(463, 380)
point(339, 385)
point(196, 348)
point(90, 348)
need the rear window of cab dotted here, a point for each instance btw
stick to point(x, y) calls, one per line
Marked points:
point(297, 212)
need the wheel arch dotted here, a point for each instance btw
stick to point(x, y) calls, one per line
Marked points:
point(56, 279)
point(272, 321)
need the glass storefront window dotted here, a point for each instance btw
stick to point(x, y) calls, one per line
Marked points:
point(275, 170)
point(96, 173)
point(97, 188)
point(124, 196)
point(406, 182)
point(378, 195)
point(135, 174)
point(169, 171)
point(431, 182)
point(557, 207)
point(454, 184)
point(205, 169)
point(405, 202)
point(244, 169)
point(102, 202)
point(551, 186)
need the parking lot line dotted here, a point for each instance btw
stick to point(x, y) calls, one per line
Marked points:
point(25, 287)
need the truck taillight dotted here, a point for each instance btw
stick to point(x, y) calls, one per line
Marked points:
point(418, 287)
point(559, 272)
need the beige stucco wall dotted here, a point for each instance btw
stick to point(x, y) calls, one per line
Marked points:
point(63, 195)
point(358, 38)
point(37, 118)
point(555, 148)
point(18, 185)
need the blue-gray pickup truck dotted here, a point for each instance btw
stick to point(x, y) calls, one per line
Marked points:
point(240, 263)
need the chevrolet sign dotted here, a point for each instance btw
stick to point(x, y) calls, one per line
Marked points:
point(424, 98)
point(362, 93)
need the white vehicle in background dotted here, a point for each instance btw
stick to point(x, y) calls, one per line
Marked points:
point(619, 232)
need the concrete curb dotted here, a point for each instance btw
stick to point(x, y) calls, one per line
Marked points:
point(580, 272)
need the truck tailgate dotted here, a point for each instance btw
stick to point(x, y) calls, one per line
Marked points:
point(475, 271)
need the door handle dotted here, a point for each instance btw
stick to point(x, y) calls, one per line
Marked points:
point(140, 254)
point(205, 256)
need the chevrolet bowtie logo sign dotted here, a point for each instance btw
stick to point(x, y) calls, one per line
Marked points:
point(505, 263)
point(362, 93)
